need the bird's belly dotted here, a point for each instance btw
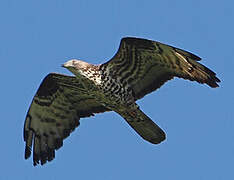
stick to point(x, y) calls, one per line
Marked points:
point(115, 98)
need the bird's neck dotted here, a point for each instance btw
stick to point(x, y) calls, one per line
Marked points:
point(93, 74)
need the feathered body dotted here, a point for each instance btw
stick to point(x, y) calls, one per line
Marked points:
point(139, 67)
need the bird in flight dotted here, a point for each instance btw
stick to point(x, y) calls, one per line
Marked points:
point(139, 67)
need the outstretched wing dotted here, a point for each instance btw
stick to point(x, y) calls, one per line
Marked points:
point(146, 65)
point(54, 113)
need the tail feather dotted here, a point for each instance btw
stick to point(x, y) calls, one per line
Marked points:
point(144, 126)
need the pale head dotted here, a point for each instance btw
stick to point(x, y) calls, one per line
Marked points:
point(74, 63)
point(77, 67)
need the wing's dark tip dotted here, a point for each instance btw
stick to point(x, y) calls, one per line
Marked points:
point(43, 157)
point(217, 79)
point(212, 80)
point(27, 152)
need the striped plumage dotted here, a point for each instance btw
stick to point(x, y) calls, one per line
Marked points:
point(139, 67)
point(146, 65)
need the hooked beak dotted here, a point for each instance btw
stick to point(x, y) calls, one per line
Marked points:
point(65, 65)
point(68, 64)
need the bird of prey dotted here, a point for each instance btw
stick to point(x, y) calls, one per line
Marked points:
point(139, 67)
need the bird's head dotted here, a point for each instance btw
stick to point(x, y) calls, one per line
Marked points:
point(77, 67)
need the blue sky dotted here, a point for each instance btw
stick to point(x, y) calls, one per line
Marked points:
point(36, 37)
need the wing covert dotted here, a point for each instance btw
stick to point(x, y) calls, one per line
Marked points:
point(54, 113)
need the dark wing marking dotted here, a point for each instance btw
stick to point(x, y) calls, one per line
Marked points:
point(54, 113)
point(146, 65)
